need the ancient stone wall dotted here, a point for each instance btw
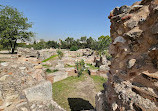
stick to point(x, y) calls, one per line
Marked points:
point(133, 76)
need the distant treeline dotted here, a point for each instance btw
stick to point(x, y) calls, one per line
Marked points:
point(70, 43)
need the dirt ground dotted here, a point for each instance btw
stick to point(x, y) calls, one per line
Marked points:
point(6, 56)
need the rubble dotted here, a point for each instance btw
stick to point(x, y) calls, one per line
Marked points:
point(23, 86)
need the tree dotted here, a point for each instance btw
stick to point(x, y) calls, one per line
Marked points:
point(103, 43)
point(13, 27)
point(74, 48)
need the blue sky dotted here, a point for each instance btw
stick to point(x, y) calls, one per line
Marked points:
point(54, 19)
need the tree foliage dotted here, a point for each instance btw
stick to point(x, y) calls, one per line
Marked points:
point(13, 27)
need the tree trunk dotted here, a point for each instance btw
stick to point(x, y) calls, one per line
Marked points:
point(13, 47)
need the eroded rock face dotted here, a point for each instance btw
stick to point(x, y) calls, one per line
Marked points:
point(133, 77)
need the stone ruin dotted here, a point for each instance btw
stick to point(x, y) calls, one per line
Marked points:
point(133, 77)
point(24, 85)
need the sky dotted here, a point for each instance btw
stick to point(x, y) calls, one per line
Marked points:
point(59, 19)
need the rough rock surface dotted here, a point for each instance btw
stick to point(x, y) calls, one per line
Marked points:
point(23, 87)
point(133, 77)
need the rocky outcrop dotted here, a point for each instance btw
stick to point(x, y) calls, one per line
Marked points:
point(133, 77)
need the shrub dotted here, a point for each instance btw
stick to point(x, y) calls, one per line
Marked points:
point(74, 48)
point(48, 71)
point(80, 66)
point(60, 54)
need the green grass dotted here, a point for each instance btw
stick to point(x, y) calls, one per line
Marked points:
point(68, 65)
point(91, 66)
point(51, 71)
point(98, 80)
point(62, 90)
point(1, 61)
point(46, 66)
point(50, 58)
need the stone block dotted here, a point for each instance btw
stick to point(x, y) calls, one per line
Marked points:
point(39, 92)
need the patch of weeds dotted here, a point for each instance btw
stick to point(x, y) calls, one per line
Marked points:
point(46, 66)
point(51, 107)
point(55, 70)
point(49, 71)
point(64, 89)
point(98, 80)
point(2, 61)
point(68, 65)
point(50, 58)
point(91, 66)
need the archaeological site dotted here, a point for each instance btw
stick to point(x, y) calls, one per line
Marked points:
point(114, 73)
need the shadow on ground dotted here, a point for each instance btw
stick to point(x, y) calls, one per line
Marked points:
point(78, 104)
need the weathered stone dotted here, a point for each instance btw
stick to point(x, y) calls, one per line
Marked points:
point(38, 66)
point(133, 34)
point(155, 29)
point(3, 78)
point(40, 92)
point(114, 106)
point(22, 68)
point(25, 52)
point(124, 9)
point(24, 109)
point(119, 39)
point(131, 24)
point(12, 97)
point(131, 63)
point(132, 78)
point(136, 7)
point(4, 64)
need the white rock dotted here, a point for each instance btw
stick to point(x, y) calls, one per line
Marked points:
point(4, 63)
point(22, 68)
point(131, 63)
point(24, 109)
point(33, 106)
point(12, 97)
point(114, 106)
point(8, 103)
point(119, 39)
point(3, 78)
point(40, 92)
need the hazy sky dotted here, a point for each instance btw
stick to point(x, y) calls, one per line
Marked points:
point(54, 19)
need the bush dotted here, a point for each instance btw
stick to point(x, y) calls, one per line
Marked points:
point(74, 48)
point(80, 66)
point(48, 71)
point(60, 54)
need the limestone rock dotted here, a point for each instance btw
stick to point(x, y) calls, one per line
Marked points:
point(119, 39)
point(40, 92)
point(131, 63)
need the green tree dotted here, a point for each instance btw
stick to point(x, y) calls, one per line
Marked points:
point(103, 44)
point(74, 48)
point(13, 27)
